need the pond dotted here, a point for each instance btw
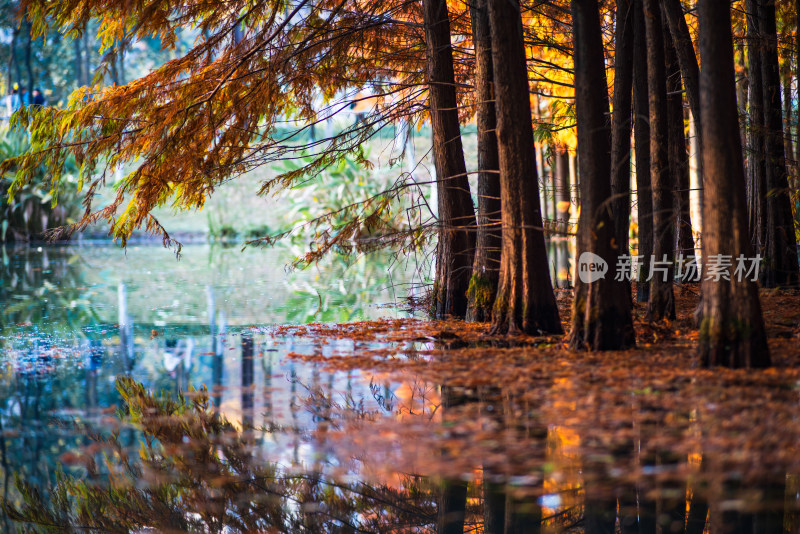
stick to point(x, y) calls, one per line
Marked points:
point(218, 393)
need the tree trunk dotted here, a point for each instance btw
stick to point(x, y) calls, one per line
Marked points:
point(641, 139)
point(687, 60)
point(13, 64)
point(28, 61)
point(732, 329)
point(456, 247)
point(788, 146)
point(561, 186)
point(780, 250)
point(741, 92)
point(690, 71)
point(678, 155)
point(795, 181)
point(525, 301)
point(486, 266)
point(756, 177)
point(621, 123)
point(661, 303)
point(601, 311)
point(79, 78)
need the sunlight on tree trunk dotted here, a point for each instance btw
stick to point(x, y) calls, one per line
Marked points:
point(732, 328)
point(525, 301)
point(456, 247)
point(601, 309)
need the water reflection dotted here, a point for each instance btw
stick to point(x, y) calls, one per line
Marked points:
point(392, 426)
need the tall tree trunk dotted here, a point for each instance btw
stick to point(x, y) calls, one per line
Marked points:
point(13, 64)
point(741, 92)
point(29, 61)
point(486, 266)
point(678, 154)
point(525, 301)
point(621, 123)
point(661, 303)
point(690, 71)
point(780, 250)
point(788, 145)
point(756, 171)
point(687, 60)
point(797, 78)
point(732, 329)
point(456, 247)
point(601, 311)
point(79, 78)
point(121, 61)
point(562, 186)
point(563, 198)
point(641, 140)
point(87, 56)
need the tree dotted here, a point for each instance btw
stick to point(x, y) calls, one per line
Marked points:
point(687, 60)
point(732, 329)
point(641, 139)
point(661, 303)
point(756, 169)
point(486, 267)
point(780, 247)
point(456, 247)
point(601, 313)
point(525, 301)
point(678, 155)
point(621, 123)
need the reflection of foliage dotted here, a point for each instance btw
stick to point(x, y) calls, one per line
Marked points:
point(32, 210)
point(353, 288)
point(351, 207)
point(43, 289)
point(197, 473)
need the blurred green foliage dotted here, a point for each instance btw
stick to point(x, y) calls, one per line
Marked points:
point(34, 209)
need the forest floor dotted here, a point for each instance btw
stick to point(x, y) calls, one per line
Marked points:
point(744, 421)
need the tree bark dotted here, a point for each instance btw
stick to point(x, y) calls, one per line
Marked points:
point(79, 79)
point(601, 311)
point(486, 266)
point(780, 250)
point(28, 60)
point(690, 71)
point(641, 139)
point(13, 64)
point(621, 123)
point(678, 154)
point(525, 301)
point(456, 246)
point(561, 185)
point(681, 38)
point(661, 304)
point(788, 145)
point(756, 172)
point(741, 92)
point(732, 329)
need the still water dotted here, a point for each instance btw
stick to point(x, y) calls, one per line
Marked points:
point(139, 393)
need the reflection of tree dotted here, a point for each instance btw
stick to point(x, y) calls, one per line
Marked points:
point(196, 472)
point(43, 288)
